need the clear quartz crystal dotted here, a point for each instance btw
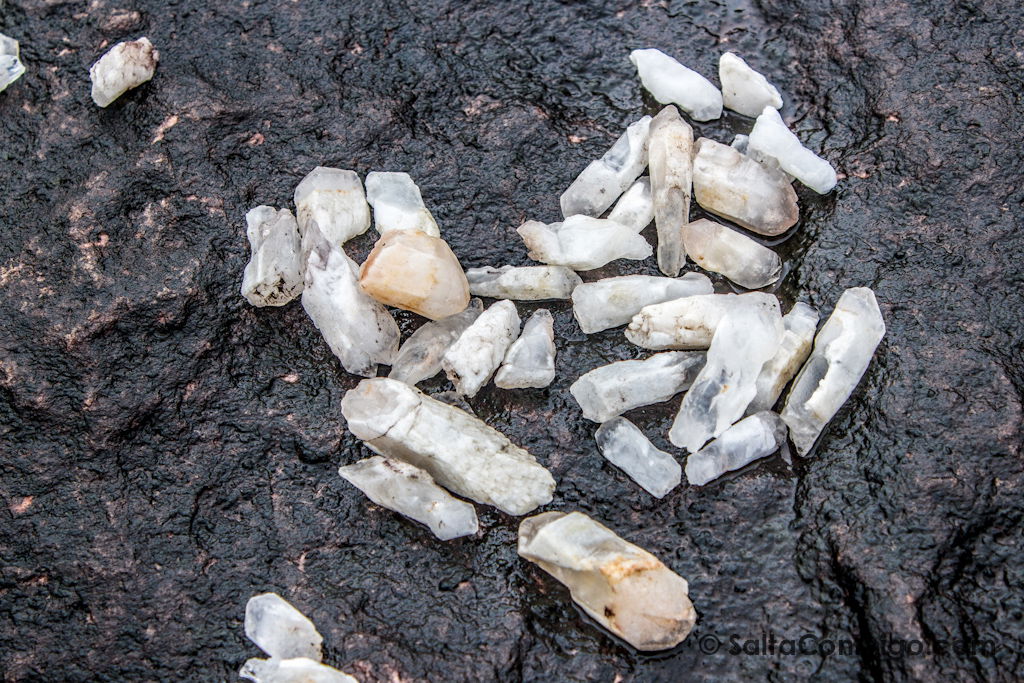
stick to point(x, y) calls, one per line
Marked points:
point(842, 352)
point(410, 491)
point(477, 353)
point(687, 323)
point(741, 190)
point(772, 139)
point(602, 181)
point(523, 283)
point(614, 301)
point(334, 200)
point(582, 242)
point(419, 358)
point(798, 333)
point(273, 276)
point(613, 389)
point(279, 629)
point(626, 447)
point(397, 204)
point(635, 208)
point(620, 585)
point(744, 90)
point(459, 451)
point(125, 66)
point(719, 249)
point(750, 439)
point(295, 670)
point(530, 361)
point(11, 68)
point(671, 157)
point(672, 83)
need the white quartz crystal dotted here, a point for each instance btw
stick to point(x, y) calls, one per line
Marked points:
point(614, 301)
point(750, 439)
point(687, 323)
point(719, 249)
point(798, 333)
point(11, 68)
point(842, 352)
point(279, 629)
point(671, 156)
point(741, 190)
point(635, 208)
point(397, 204)
point(530, 361)
point(523, 283)
point(295, 670)
point(620, 585)
point(582, 242)
point(748, 335)
point(613, 389)
point(419, 358)
point(672, 83)
point(359, 330)
point(273, 276)
point(744, 90)
point(772, 139)
point(459, 451)
point(600, 183)
point(479, 350)
point(125, 66)
point(410, 491)
point(740, 143)
point(332, 198)
point(627, 448)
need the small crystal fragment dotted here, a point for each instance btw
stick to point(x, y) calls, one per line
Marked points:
point(671, 155)
point(125, 66)
point(600, 183)
point(295, 670)
point(11, 68)
point(771, 138)
point(273, 276)
point(626, 447)
point(279, 629)
point(741, 190)
point(744, 90)
point(523, 283)
point(459, 451)
point(635, 208)
point(410, 491)
point(582, 242)
point(672, 83)
point(622, 586)
point(740, 143)
point(530, 361)
point(397, 204)
point(332, 198)
point(798, 333)
point(478, 352)
point(750, 439)
point(614, 301)
point(842, 352)
point(613, 389)
point(686, 323)
point(719, 249)
point(419, 358)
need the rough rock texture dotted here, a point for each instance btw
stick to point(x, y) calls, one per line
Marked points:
point(169, 451)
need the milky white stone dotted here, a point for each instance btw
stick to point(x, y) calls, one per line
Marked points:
point(613, 389)
point(279, 629)
point(620, 585)
point(295, 670)
point(743, 89)
point(410, 491)
point(719, 249)
point(842, 353)
point(672, 83)
point(273, 276)
point(11, 68)
point(471, 360)
point(798, 333)
point(627, 448)
point(419, 358)
point(750, 439)
point(416, 272)
point(686, 323)
point(635, 208)
point(125, 66)
point(523, 283)
point(671, 158)
point(397, 204)
point(614, 301)
point(748, 335)
point(582, 242)
point(530, 361)
point(332, 198)
point(601, 182)
point(739, 189)
point(459, 451)
point(772, 139)
point(359, 330)
point(740, 143)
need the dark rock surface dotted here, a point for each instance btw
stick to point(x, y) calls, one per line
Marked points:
point(166, 450)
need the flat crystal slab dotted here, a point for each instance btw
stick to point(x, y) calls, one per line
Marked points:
point(295, 670)
point(719, 249)
point(602, 181)
point(279, 629)
point(635, 208)
point(523, 283)
point(419, 357)
point(671, 158)
point(750, 439)
point(530, 361)
point(670, 82)
point(397, 204)
point(614, 301)
point(626, 447)
point(333, 199)
point(125, 66)
point(798, 334)
point(772, 139)
point(744, 90)
point(273, 276)
point(688, 322)
point(582, 242)
point(471, 360)
point(11, 68)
